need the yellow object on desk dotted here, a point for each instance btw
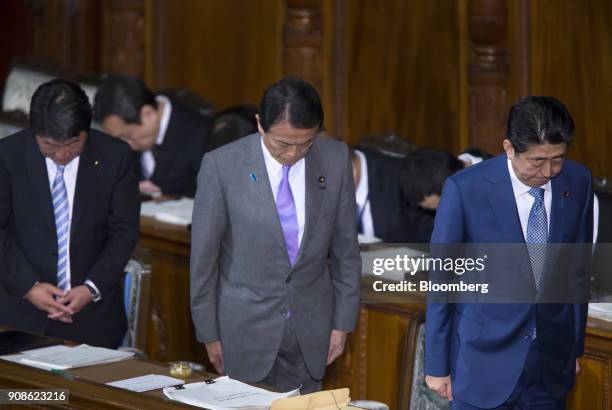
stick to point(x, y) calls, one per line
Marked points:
point(180, 369)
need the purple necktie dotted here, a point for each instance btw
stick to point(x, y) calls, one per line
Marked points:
point(285, 206)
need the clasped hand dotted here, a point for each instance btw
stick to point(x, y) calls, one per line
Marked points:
point(59, 304)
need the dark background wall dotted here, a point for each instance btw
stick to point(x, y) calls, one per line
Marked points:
point(440, 73)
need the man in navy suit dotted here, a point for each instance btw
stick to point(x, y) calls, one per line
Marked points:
point(513, 355)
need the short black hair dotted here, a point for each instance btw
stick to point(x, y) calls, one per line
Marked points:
point(123, 96)
point(424, 173)
point(291, 99)
point(60, 110)
point(539, 120)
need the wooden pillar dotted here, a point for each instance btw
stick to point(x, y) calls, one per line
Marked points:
point(303, 41)
point(488, 73)
point(66, 32)
point(123, 34)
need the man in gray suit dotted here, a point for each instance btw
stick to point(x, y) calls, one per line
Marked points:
point(270, 209)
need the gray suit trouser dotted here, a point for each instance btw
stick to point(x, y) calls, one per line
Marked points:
point(289, 370)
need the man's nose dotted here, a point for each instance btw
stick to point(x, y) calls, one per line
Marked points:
point(63, 155)
point(547, 170)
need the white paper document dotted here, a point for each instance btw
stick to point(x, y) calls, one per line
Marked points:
point(225, 394)
point(601, 311)
point(65, 357)
point(177, 212)
point(147, 383)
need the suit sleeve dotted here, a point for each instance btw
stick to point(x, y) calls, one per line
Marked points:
point(208, 226)
point(123, 222)
point(16, 272)
point(448, 229)
point(584, 241)
point(345, 257)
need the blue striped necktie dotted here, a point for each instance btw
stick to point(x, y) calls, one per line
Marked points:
point(61, 209)
point(537, 234)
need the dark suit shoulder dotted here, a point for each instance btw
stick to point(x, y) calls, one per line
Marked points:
point(13, 141)
point(190, 121)
point(105, 142)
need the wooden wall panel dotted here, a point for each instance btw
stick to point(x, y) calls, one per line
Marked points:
point(227, 51)
point(16, 22)
point(571, 52)
point(404, 70)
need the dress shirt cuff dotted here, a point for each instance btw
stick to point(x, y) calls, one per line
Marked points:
point(93, 285)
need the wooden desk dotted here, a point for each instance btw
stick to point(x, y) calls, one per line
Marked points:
point(170, 331)
point(86, 385)
point(372, 366)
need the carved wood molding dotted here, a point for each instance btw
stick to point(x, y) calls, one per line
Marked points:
point(123, 37)
point(525, 47)
point(363, 352)
point(606, 359)
point(303, 41)
point(488, 72)
point(340, 73)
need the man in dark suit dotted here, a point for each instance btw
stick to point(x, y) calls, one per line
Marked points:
point(382, 209)
point(69, 212)
point(514, 355)
point(168, 138)
point(275, 264)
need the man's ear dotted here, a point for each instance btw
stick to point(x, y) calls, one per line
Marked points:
point(508, 148)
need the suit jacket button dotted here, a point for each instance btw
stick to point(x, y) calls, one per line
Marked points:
point(288, 279)
point(284, 312)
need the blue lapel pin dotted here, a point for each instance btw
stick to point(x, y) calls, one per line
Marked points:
point(253, 177)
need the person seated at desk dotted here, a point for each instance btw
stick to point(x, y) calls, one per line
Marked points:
point(602, 237)
point(382, 210)
point(422, 179)
point(69, 213)
point(168, 138)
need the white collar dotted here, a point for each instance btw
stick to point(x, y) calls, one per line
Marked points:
point(275, 166)
point(165, 119)
point(518, 186)
point(361, 190)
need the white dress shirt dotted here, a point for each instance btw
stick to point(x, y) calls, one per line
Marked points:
point(297, 182)
point(147, 160)
point(524, 200)
point(70, 177)
point(362, 196)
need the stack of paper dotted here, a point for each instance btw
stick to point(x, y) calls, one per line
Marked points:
point(64, 357)
point(146, 383)
point(224, 393)
point(177, 212)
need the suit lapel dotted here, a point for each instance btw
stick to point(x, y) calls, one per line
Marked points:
point(89, 167)
point(314, 189)
point(557, 208)
point(503, 204)
point(37, 171)
point(260, 190)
